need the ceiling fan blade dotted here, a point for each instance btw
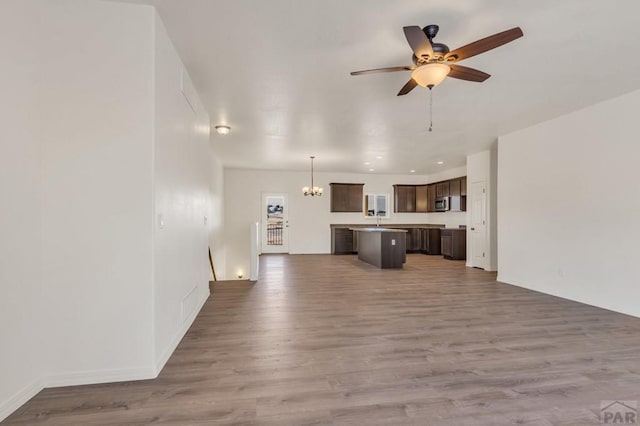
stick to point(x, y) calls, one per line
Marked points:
point(418, 41)
point(466, 73)
point(377, 70)
point(411, 84)
point(484, 44)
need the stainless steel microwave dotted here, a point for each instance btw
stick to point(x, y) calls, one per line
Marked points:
point(442, 204)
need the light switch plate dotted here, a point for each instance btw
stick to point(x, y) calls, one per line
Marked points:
point(393, 242)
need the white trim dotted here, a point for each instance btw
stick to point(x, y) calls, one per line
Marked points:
point(99, 376)
point(162, 360)
point(16, 401)
point(572, 299)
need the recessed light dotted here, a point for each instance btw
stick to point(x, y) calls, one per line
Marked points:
point(222, 129)
point(379, 157)
point(412, 171)
point(372, 170)
point(440, 162)
point(366, 163)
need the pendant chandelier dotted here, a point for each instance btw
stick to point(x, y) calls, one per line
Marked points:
point(312, 190)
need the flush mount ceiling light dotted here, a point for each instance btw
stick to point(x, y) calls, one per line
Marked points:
point(222, 129)
point(312, 190)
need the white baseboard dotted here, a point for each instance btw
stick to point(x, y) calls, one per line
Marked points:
point(72, 379)
point(162, 360)
point(16, 401)
point(99, 376)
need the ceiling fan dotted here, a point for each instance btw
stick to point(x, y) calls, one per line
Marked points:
point(433, 62)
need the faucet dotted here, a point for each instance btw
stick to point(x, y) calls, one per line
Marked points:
point(378, 220)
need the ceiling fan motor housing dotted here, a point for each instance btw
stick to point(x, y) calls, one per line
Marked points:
point(439, 49)
point(431, 31)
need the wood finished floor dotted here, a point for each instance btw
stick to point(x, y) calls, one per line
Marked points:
point(328, 340)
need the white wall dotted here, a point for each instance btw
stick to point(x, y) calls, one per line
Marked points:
point(569, 204)
point(182, 163)
point(96, 138)
point(22, 307)
point(309, 217)
point(97, 135)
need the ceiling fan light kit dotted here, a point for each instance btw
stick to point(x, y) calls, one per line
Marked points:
point(431, 74)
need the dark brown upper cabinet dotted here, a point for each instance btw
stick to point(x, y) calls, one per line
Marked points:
point(431, 198)
point(346, 197)
point(442, 189)
point(454, 188)
point(405, 198)
point(422, 199)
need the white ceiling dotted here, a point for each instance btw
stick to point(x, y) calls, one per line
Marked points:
point(277, 71)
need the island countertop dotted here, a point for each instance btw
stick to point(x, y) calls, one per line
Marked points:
point(377, 229)
point(387, 226)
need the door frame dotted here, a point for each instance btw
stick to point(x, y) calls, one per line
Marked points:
point(264, 248)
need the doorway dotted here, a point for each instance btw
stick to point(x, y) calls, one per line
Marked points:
point(275, 223)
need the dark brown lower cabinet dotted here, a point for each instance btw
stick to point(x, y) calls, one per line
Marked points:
point(453, 243)
point(430, 241)
point(414, 240)
point(342, 241)
point(418, 240)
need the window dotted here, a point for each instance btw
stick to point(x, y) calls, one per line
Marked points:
point(376, 205)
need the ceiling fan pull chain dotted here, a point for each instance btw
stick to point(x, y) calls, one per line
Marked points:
point(430, 109)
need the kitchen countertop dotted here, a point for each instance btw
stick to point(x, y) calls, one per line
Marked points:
point(377, 229)
point(390, 225)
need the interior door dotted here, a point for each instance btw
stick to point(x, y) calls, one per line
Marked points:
point(478, 225)
point(275, 223)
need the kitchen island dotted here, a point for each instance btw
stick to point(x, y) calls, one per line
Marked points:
point(382, 247)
